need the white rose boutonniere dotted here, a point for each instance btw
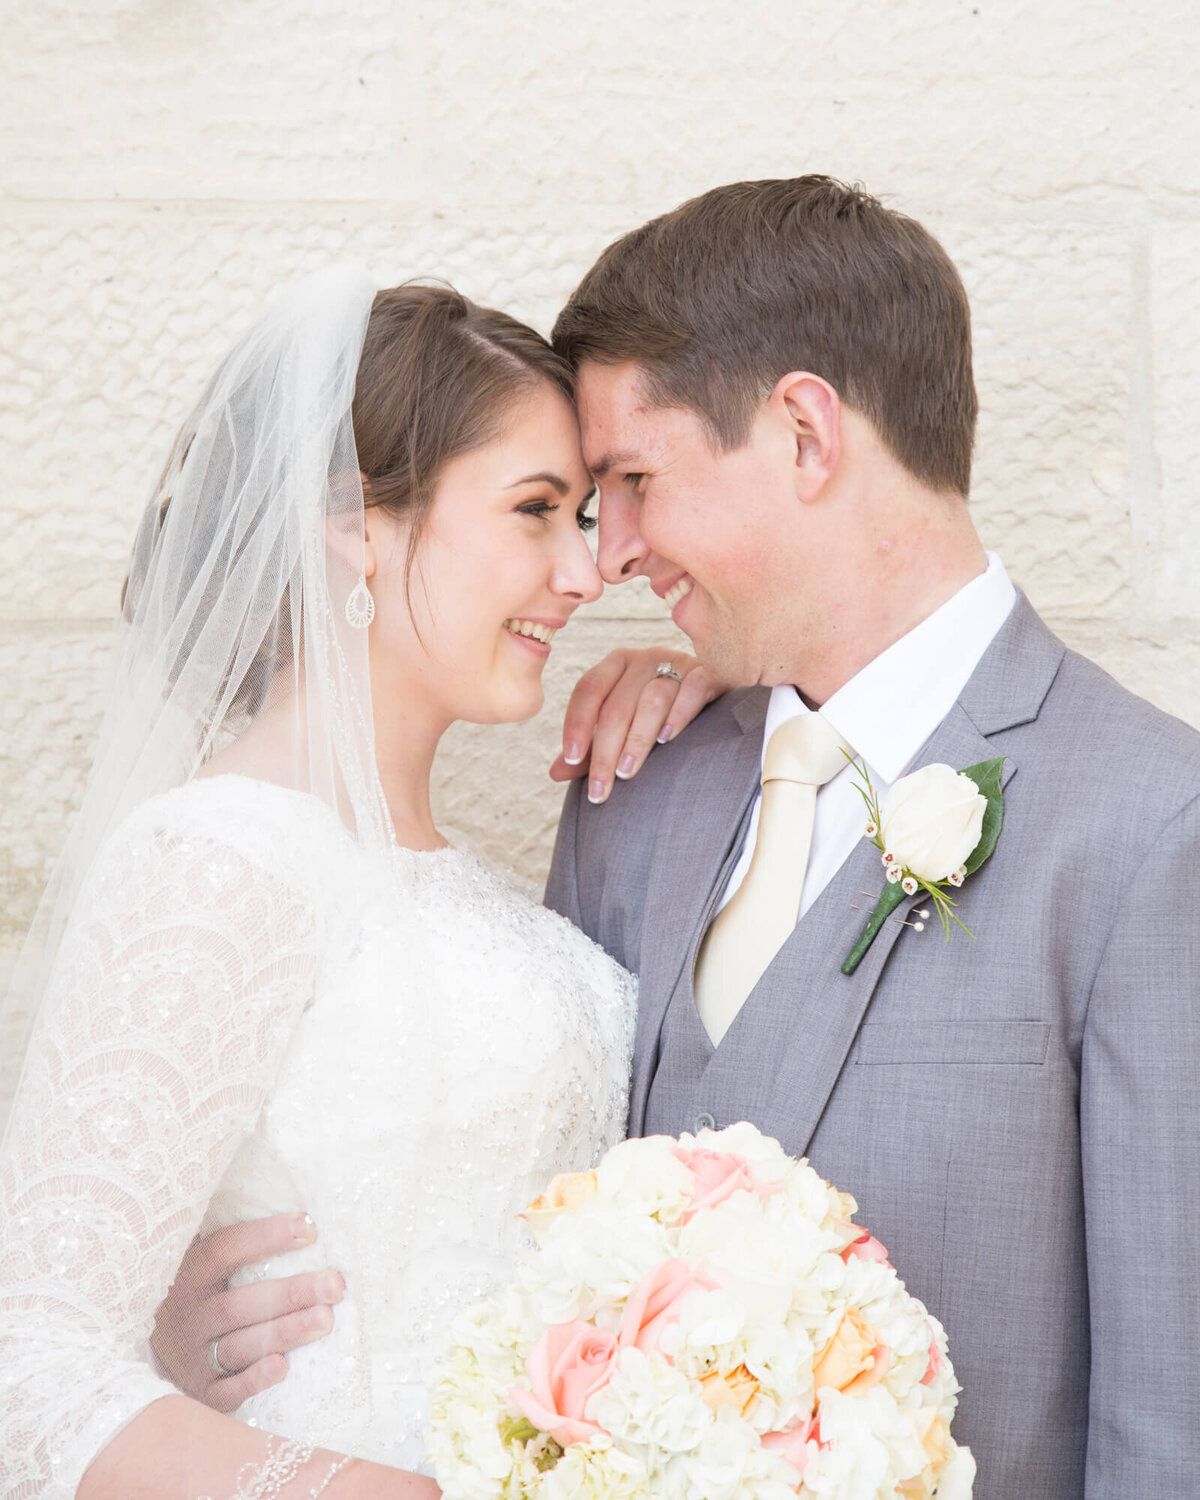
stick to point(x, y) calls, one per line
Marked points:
point(936, 827)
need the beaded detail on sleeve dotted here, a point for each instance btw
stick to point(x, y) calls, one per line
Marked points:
point(411, 1073)
point(189, 959)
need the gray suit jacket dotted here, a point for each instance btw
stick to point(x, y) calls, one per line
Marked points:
point(1018, 1115)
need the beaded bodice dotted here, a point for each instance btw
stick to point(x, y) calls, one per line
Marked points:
point(251, 1015)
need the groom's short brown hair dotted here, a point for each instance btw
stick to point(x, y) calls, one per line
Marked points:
point(721, 297)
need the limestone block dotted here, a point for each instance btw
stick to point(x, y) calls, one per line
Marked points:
point(490, 781)
point(53, 700)
point(110, 320)
point(1172, 520)
point(1160, 665)
point(975, 102)
point(255, 99)
point(1055, 337)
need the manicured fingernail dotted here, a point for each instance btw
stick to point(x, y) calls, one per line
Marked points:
point(625, 767)
point(572, 754)
point(320, 1322)
point(597, 791)
point(664, 734)
point(304, 1231)
point(330, 1287)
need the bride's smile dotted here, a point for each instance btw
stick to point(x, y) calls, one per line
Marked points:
point(499, 566)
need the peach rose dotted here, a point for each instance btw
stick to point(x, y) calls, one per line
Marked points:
point(792, 1444)
point(565, 1194)
point(566, 1367)
point(737, 1389)
point(654, 1304)
point(934, 1432)
point(936, 1362)
point(718, 1174)
point(853, 1360)
point(865, 1247)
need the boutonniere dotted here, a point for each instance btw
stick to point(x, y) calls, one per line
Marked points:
point(936, 827)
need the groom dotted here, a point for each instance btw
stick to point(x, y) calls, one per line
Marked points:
point(777, 404)
point(778, 407)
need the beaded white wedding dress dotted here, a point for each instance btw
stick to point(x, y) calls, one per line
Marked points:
point(263, 1017)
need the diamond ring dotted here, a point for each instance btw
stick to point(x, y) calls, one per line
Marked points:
point(665, 669)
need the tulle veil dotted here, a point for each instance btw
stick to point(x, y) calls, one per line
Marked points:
point(235, 605)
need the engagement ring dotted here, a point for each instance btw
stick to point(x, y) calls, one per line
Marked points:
point(665, 669)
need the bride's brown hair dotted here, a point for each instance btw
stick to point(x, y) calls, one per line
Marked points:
point(437, 378)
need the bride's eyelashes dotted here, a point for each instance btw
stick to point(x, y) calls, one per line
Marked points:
point(544, 508)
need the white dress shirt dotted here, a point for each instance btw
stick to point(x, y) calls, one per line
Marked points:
point(886, 713)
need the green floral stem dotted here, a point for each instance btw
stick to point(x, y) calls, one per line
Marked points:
point(893, 894)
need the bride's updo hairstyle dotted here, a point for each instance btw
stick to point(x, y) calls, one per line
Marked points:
point(438, 375)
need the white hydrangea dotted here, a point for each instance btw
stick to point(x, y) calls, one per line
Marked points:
point(650, 1405)
point(644, 1176)
point(598, 1470)
point(867, 1446)
point(465, 1444)
point(592, 1260)
point(729, 1463)
point(683, 1417)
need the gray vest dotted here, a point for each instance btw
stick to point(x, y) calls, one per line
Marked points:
point(696, 1086)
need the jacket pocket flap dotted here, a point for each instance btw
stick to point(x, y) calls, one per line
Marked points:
point(953, 1042)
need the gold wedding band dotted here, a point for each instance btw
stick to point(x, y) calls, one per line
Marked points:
point(214, 1361)
point(665, 669)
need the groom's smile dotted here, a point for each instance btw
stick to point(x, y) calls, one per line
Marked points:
point(710, 529)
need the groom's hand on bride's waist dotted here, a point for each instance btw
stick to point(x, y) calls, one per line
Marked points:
point(222, 1344)
point(625, 705)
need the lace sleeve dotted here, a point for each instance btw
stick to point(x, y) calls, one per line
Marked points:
point(177, 987)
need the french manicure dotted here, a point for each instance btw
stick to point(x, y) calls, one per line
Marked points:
point(664, 734)
point(572, 754)
point(625, 767)
point(330, 1287)
point(304, 1231)
point(597, 791)
point(320, 1322)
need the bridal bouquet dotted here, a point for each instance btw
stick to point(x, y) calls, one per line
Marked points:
point(700, 1320)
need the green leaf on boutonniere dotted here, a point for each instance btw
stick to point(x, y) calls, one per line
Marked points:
point(986, 776)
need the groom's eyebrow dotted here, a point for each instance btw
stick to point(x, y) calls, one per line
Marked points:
point(626, 458)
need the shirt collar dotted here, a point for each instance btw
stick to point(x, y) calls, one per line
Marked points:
point(887, 711)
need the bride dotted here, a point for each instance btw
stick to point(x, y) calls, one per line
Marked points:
point(271, 982)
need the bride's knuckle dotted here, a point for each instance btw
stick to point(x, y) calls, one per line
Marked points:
point(299, 1293)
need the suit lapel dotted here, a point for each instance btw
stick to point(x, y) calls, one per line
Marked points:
point(782, 1070)
point(781, 1058)
point(697, 836)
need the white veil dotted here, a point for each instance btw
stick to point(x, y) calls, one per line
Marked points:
point(236, 600)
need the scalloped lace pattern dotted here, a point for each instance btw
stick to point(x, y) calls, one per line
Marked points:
point(250, 1015)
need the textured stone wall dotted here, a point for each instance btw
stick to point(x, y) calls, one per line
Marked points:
point(165, 163)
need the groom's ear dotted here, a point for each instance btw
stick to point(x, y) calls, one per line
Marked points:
point(812, 412)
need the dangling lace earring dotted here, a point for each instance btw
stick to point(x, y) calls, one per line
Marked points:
point(360, 606)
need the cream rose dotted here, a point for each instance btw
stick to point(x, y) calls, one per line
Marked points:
point(566, 1193)
point(932, 821)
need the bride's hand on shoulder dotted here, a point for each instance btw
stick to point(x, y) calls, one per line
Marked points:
point(622, 707)
point(249, 1329)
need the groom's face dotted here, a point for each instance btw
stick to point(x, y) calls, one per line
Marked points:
point(704, 527)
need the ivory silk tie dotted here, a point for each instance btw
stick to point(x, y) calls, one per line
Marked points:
point(802, 755)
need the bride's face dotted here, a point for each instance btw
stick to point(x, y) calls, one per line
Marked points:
point(501, 565)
